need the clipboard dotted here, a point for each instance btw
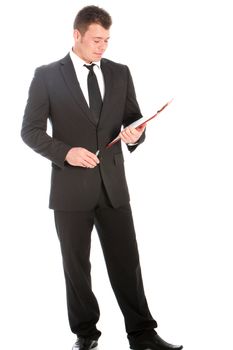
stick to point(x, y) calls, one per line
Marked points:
point(140, 123)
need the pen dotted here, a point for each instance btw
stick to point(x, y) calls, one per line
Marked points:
point(97, 153)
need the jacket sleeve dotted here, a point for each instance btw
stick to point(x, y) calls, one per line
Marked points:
point(34, 124)
point(132, 110)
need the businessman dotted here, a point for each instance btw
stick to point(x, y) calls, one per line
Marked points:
point(88, 99)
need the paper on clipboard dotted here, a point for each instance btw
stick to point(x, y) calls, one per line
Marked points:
point(140, 123)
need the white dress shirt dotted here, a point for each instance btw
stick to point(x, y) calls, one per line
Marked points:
point(82, 73)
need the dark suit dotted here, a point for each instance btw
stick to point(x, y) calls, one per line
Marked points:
point(55, 93)
point(84, 197)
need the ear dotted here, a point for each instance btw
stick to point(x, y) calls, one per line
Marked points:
point(76, 35)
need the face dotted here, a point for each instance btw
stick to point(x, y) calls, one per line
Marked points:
point(92, 44)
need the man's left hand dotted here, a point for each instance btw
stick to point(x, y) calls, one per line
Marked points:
point(131, 135)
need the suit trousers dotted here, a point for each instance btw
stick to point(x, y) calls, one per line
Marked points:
point(116, 232)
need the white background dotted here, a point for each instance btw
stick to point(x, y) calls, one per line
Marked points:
point(180, 179)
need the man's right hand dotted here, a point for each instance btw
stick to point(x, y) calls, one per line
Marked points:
point(78, 156)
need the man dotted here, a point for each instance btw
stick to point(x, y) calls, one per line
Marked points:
point(88, 99)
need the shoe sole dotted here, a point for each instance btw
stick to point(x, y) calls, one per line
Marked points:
point(93, 348)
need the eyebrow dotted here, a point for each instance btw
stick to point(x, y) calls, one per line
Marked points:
point(100, 37)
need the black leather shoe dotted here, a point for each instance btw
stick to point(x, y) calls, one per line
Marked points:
point(85, 344)
point(156, 343)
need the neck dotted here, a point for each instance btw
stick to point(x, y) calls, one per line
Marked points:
point(76, 52)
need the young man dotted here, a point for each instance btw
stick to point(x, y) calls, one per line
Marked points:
point(87, 100)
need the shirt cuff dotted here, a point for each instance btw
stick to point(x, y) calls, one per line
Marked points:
point(132, 144)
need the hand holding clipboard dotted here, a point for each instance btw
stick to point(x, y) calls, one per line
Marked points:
point(140, 123)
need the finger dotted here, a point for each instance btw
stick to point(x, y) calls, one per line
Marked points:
point(127, 132)
point(131, 134)
point(126, 135)
point(138, 130)
point(135, 133)
point(122, 137)
point(126, 139)
point(86, 164)
point(132, 130)
point(90, 161)
point(91, 157)
point(141, 128)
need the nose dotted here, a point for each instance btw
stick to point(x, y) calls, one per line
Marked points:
point(102, 46)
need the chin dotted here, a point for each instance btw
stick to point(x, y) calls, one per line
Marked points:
point(97, 58)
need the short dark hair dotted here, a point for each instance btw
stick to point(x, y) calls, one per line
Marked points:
point(89, 15)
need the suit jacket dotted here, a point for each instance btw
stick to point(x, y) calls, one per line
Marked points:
point(55, 94)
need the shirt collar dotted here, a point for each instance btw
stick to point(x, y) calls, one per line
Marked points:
point(78, 62)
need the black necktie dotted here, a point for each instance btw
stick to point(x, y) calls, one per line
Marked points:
point(95, 99)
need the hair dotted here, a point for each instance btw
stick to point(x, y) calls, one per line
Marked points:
point(89, 15)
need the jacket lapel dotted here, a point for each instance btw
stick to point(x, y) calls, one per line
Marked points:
point(72, 83)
